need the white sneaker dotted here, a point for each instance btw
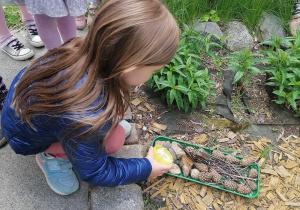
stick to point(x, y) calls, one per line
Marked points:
point(34, 38)
point(15, 49)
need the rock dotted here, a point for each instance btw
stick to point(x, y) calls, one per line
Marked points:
point(128, 115)
point(270, 24)
point(195, 173)
point(162, 143)
point(178, 151)
point(175, 169)
point(167, 145)
point(209, 28)
point(205, 28)
point(240, 37)
point(131, 151)
point(171, 150)
point(135, 135)
point(122, 197)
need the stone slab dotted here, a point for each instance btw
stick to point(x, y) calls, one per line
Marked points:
point(126, 197)
point(22, 183)
point(131, 151)
point(135, 135)
point(24, 186)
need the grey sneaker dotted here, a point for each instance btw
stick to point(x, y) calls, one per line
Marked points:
point(34, 38)
point(296, 10)
point(15, 49)
point(2, 139)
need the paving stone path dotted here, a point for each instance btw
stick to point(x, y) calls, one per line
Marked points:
point(23, 185)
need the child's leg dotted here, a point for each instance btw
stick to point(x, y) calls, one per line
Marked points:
point(115, 140)
point(56, 150)
point(25, 15)
point(113, 144)
point(27, 19)
point(47, 30)
point(67, 27)
point(4, 32)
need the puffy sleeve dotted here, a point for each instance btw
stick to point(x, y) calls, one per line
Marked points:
point(94, 166)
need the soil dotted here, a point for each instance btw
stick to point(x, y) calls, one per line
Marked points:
point(266, 119)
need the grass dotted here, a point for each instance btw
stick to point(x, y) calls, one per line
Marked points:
point(246, 11)
point(186, 11)
point(13, 16)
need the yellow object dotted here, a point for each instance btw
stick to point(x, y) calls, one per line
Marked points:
point(162, 155)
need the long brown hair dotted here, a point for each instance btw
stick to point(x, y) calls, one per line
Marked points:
point(124, 33)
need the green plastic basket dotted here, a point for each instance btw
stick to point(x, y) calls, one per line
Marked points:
point(252, 194)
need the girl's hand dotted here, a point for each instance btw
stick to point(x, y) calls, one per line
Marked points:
point(158, 169)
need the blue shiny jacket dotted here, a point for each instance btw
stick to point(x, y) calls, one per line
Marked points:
point(88, 159)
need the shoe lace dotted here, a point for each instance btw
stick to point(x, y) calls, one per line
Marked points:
point(17, 45)
point(32, 30)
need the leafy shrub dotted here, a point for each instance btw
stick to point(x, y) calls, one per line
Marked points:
point(211, 16)
point(243, 63)
point(12, 15)
point(284, 70)
point(181, 80)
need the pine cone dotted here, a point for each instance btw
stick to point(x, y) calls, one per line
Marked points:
point(212, 170)
point(243, 189)
point(201, 152)
point(195, 173)
point(248, 161)
point(232, 159)
point(251, 184)
point(201, 167)
point(229, 185)
point(218, 154)
point(253, 173)
point(216, 177)
point(205, 176)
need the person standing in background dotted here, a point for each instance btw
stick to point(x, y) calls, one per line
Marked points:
point(11, 45)
point(55, 19)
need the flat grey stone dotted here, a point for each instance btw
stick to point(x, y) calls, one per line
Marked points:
point(128, 115)
point(240, 37)
point(270, 24)
point(206, 28)
point(24, 186)
point(131, 151)
point(209, 28)
point(126, 197)
point(135, 135)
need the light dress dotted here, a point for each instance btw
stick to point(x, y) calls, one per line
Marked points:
point(52, 8)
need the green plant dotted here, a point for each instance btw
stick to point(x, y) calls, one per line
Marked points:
point(181, 80)
point(212, 16)
point(243, 63)
point(283, 71)
point(276, 42)
point(149, 204)
point(247, 11)
point(265, 152)
point(12, 15)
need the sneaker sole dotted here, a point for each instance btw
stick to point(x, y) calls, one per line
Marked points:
point(295, 16)
point(36, 44)
point(2, 142)
point(43, 170)
point(20, 57)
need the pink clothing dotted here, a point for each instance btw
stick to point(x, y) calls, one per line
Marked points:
point(113, 144)
point(4, 32)
point(50, 29)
